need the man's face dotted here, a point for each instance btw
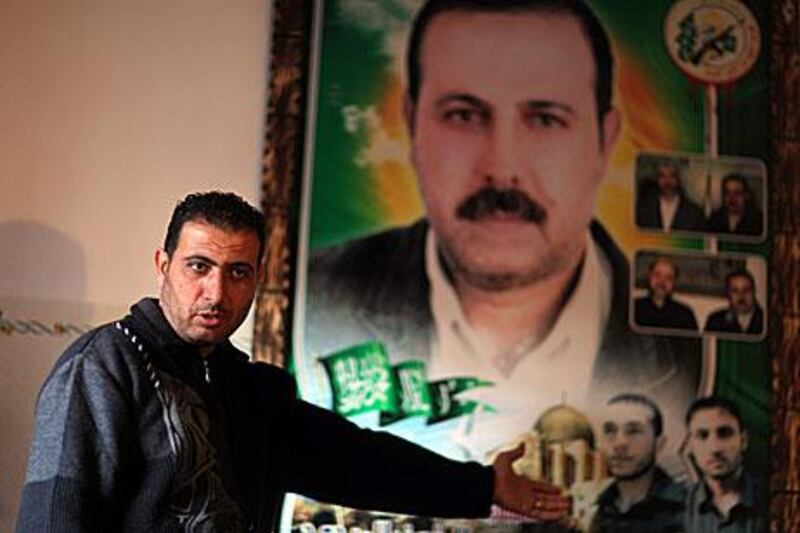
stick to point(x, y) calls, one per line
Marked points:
point(506, 143)
point(208, 284)
point(717, 442)
point(734, 196)
point(740, 294)
point(662, 279)
point(627, 440)
point(668, 180)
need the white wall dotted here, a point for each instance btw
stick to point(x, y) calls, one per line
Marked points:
point(110, 111)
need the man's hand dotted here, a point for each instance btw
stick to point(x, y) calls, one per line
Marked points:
point(537, 499)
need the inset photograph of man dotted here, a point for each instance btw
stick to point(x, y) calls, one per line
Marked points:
point(659, 309)
point(681, 193)
point(663, 202)
point(693, 293)
point(726, 496)
point(743, 313)
point(642, 496)
point(739, 213)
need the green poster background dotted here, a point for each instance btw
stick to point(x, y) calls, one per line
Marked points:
point(360, 181)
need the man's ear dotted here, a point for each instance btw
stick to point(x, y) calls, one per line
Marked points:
point(744, 439)
point(661, 441)
point(409, 110)
point(261, 271)
point(161, 261)
point(612, 125)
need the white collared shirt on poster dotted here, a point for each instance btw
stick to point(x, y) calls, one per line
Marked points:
point(668, 208)
point(744, 320)
point(556, 370)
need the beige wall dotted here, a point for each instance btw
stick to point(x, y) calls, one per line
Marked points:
point(110, 111)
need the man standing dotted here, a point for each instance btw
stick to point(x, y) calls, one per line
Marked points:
point(642, 496)
point(743, 314)
point(726, 498)
point(658, 309)
point(511, 123)
point(738, 215)
point(157, 423)
point(666, 207)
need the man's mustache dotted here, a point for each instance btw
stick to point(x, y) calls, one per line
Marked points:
point(490, 200)
point(210, 308)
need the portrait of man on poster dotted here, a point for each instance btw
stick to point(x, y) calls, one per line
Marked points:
point(642, 497)
point(659, 308)
point(508, 258)
point(743, 314)
point(663, 203)
point(739, 213)
point(727, 496)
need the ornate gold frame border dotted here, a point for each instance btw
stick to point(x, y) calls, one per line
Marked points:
point(282, 172)
point(784, 220)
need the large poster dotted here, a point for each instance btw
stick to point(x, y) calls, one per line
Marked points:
point(514, 233)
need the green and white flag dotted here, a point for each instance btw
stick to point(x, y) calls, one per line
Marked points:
point(444, 403)
point(414, 397)
point(362, 380)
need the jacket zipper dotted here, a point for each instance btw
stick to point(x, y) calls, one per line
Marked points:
point(208, 371)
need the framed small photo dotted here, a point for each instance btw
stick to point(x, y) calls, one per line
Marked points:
point(724, 197)
point(699, 294)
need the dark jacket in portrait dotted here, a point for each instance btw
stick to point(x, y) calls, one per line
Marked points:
point(672, 315)
point(688, 216)
point(661, 511)
point(747, 516)
point(376, 288)
point(724, 321)
point(751, 223)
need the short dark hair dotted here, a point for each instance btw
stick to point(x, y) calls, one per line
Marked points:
point(640, 399)
point(224, 210)
point(735, 177)
point(714, 402)
point(664, 259)
point(590, 24)
point(739, 273)
point(679, 165)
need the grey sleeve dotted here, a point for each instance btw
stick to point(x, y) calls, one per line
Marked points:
point(81, 432)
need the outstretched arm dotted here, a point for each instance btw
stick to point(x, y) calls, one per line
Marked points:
point(333, 460)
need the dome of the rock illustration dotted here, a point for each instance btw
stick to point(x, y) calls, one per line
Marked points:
point(563, 423)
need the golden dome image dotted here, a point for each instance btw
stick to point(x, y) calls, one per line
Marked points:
point(563, 423)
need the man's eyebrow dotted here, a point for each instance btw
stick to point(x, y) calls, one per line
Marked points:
point(464, 98)
point(198, 257)
point(234, 264)
point(239, 264)
point(545, 105)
